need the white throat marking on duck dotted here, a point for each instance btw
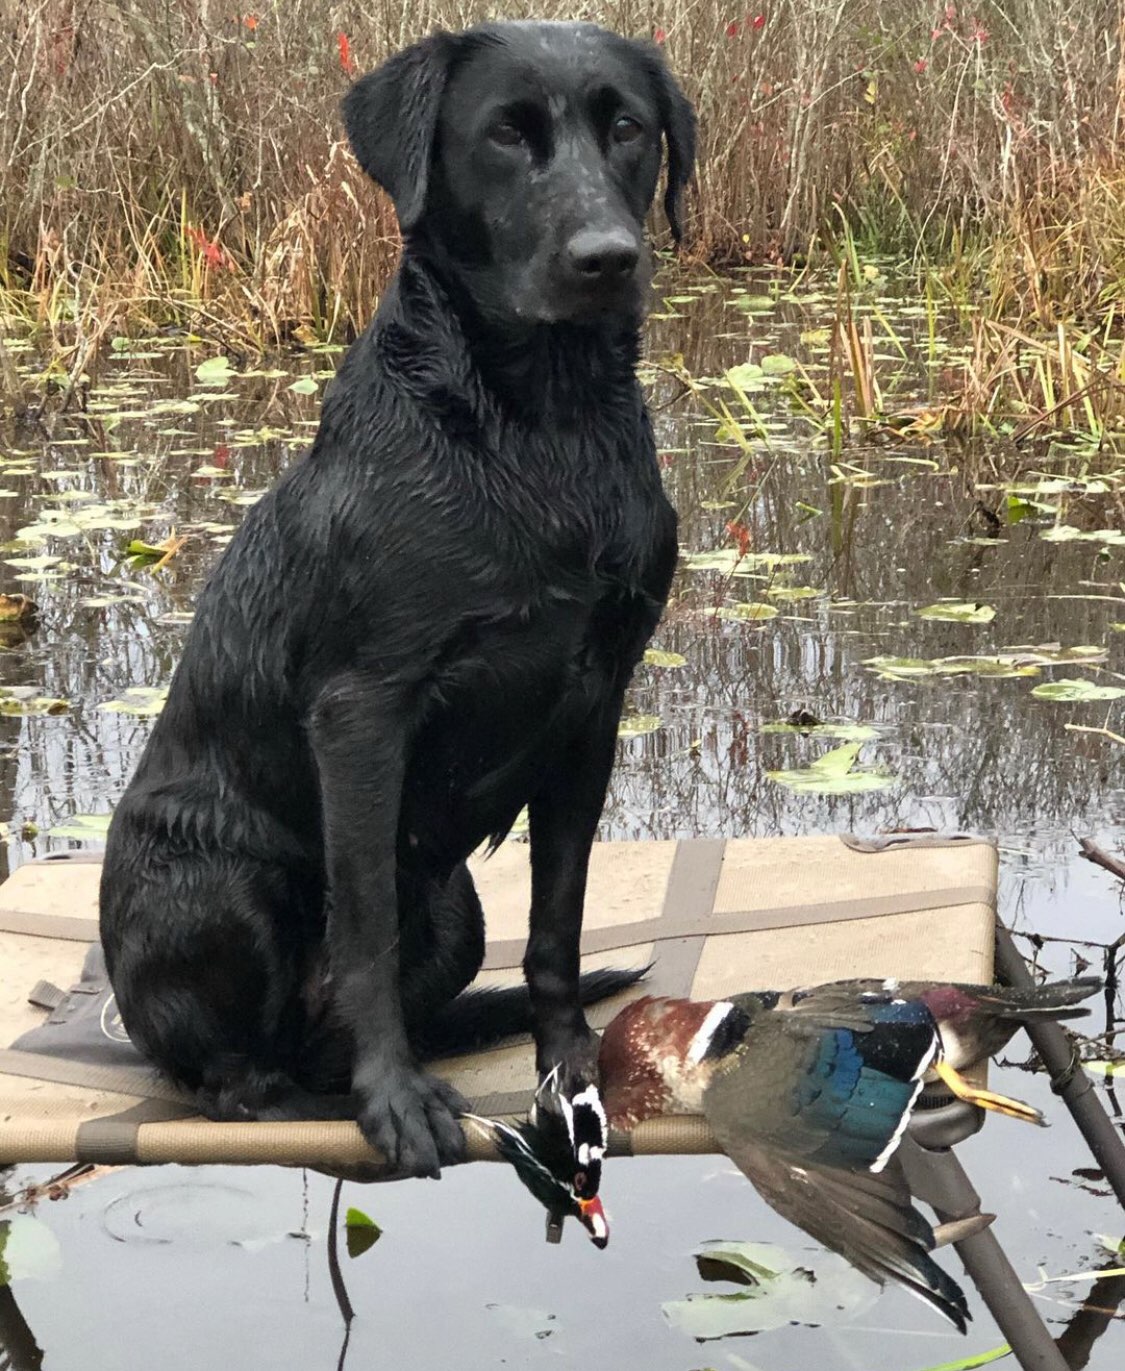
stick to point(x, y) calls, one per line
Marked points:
point(707, 1030)
point(919, 1079)
point(591, 1098)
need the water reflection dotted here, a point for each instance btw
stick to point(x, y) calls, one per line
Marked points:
point(885, 528)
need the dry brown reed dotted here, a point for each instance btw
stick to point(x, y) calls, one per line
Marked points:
point(183, 159)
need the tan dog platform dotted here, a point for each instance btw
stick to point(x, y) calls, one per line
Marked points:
point(714, 917)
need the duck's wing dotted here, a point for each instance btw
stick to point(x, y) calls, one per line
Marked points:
point(812, 1090)
point(868, 1219)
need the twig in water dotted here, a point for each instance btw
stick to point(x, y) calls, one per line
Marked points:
point(1093, 853)
point(339, 1289)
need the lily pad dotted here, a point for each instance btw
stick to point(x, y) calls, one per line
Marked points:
point(721, 559)
point(140, 700)
point(361, 1232)
point(305, 385)
point(1002, 666)
point(215, 371)
point(1076, 689)
point(87, 827)
point(845, 732)
point(28, 1250)
point(796, 592)
point(655, 656)
point(752, 610)
point(834, 774)
point(32, 563)
point(778, 364)
point(776, 1292)
point(635, 725)
point(1067, 533)
point(745, 376)
point(25, 700)
point(958, 613)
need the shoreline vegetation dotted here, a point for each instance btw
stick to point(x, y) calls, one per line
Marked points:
point(181, 164)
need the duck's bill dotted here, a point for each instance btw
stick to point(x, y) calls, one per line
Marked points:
point(594, 1221)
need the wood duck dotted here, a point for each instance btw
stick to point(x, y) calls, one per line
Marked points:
point(810, 1091)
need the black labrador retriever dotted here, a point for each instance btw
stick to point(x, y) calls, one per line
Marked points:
point(428, 623)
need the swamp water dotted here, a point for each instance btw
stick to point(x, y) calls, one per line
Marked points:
point(808, 592)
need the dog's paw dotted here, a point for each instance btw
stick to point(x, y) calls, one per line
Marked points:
point(411, 1117)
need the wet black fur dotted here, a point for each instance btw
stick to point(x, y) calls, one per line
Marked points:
point(428, 623)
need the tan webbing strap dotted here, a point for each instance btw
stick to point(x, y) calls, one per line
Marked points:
point(689, 899)
point(112, 1141)
point(682, 924)
point(670, 1135)
point(65, 926)
point(141, 1081)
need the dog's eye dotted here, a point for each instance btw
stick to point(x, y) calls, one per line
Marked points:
point(506, 134)
point(626, 129)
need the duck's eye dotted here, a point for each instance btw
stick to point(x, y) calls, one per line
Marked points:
point(506, 134)
point(579, 1181)
point(626, 129)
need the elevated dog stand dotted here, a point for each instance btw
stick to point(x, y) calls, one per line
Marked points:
point(714, 917)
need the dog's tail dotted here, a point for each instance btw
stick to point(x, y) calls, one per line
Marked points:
point(480, 1018)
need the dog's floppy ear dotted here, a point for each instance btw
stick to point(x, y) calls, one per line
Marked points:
point(391, 117)
point(678, 119)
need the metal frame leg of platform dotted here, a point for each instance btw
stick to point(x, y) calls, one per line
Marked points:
point(936, 1176)
point(1068, 1080)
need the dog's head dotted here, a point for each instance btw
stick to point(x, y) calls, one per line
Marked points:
point(525, 156)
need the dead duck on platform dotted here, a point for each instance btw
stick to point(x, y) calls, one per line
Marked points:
point(809, 1092)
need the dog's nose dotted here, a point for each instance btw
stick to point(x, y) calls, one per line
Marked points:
point(603, 256)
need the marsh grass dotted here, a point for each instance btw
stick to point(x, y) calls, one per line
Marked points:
point(182, 161)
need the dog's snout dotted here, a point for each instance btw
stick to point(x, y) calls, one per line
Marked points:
point(603, 256)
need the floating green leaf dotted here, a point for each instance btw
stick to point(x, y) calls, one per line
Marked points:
point(775, 559)
point(833, 774)
point(215, 371)
point(751, 610)
point(634, 725)
point(105, 601)
point(88, 827)
point(28, 1250)
point(778, 364)
point(728, 558)
point(140, 700)
point(1076, 689)
point(745, 376)
point(958, 613)
point(795, 592)
point(1067, 533)
point(25, 700)
point(305, 385)
point(361, 1232)
point(777, 1292)
point(32, 563)
point(721, 559)
point(654, 656)
point(912, 668)
point(845, 732)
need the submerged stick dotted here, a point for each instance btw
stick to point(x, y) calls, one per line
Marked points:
point(1093, 853)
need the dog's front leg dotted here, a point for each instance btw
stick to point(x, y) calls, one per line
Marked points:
point(563, 820)
point(359, 740)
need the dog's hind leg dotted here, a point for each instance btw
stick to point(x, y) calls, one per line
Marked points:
point(207, 958)
point(442, 941)
point(240, 1093)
